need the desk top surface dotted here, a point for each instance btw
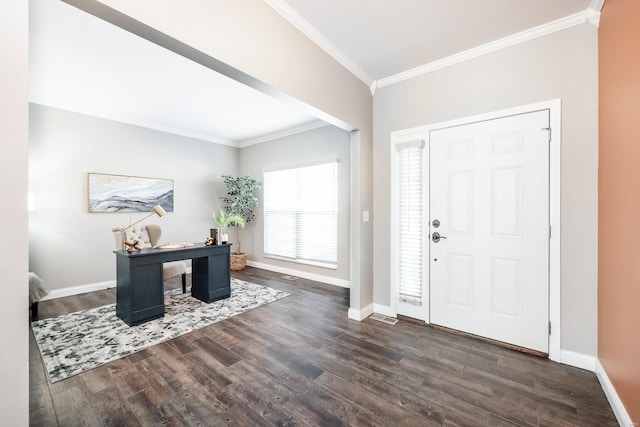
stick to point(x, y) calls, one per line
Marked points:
point(156, 251)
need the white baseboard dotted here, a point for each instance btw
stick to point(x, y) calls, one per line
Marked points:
point(385, 310)
point(578, 360)
point(614, 400)
point(360, 315)
point(310, 276)
point(82, 289)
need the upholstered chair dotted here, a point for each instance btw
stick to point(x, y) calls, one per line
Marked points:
point(148, 236)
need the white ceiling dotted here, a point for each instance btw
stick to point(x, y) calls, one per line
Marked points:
point(110, 73)
point(385, 37)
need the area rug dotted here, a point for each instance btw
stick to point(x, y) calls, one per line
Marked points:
point(76, 342)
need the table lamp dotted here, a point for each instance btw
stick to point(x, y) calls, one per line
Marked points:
point(157, 209)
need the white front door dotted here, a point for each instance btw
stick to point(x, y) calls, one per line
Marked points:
point(489, 202)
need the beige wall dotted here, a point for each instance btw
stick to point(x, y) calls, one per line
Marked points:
point(14, 315)
point(619, 204)
point(561, 65)
point(251, 37)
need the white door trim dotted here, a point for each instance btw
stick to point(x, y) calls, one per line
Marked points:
point(554, 107)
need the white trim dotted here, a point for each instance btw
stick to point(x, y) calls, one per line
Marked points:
point(596, 5)
point(555, 149)
point(63, 105)
point(360, 315)
point(82, 289)
point(75, 108)
point(578, 360)
point(555, 110)
point(623, 417)
point(593, 17)
point(385, 310)
point(521, 37)
point(281, 134)
point(302, 274)
point(284, 10)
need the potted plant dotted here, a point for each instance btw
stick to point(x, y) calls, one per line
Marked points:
point(224, 220)
point(240, 201)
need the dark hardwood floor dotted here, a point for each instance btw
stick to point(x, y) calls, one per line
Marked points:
point(300, 361)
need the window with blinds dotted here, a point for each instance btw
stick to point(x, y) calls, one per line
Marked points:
point(301, 214)
point(409, 222)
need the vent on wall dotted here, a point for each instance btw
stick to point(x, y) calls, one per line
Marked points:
point(384, 319)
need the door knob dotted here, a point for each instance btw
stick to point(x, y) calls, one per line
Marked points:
point(435, 237)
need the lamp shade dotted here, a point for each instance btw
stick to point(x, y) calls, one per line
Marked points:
point(159, 211)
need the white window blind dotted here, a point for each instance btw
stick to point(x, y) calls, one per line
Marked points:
point(301, 214)
point(410, 219)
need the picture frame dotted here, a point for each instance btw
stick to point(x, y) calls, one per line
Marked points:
point(125, 193)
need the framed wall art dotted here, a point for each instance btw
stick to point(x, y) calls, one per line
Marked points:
point(122, 193)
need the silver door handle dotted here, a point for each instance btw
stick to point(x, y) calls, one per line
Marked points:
point(435, 237)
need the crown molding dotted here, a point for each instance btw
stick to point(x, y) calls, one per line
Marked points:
point(596, 5)
point(136, 121)
point(593, 17)
point(281, 134)
point(315, 36)
point(514, 39)
point(79, 109)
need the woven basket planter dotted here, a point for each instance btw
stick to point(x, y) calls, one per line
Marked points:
point(238, 261)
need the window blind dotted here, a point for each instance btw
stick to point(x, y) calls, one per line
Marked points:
point(409, 221)
point(301, 214)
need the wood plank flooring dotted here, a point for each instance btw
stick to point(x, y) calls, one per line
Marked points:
point(300, 361)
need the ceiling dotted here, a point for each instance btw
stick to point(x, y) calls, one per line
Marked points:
point(113, 74)
point(384, 37)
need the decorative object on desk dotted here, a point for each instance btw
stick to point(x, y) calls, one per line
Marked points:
point(77, 342)
point(209, 241)
point(173, 245)
point(240, 200)
point(215, 235)
point(120, 193)
point(224, 220)
point(120, 234)
point(132, 246)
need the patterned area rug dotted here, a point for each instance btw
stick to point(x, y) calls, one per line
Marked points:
point(77, 342)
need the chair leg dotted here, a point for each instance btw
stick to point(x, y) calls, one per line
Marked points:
point(184, 283)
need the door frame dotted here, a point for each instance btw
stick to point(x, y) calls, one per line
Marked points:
point(422, 132)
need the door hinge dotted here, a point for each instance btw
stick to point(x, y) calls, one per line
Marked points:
point(549, 232)
point(549, 328)
point(549, 132)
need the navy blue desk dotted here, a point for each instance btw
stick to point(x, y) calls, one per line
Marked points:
point(140, 295)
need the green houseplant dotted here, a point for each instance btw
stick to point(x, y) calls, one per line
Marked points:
point(224, 220)
point(240, 201)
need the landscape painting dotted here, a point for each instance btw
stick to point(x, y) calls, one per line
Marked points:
point(120, 193)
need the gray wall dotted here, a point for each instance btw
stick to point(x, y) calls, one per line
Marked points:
point(561, 65)
point(319, 145)
point(71, 247)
